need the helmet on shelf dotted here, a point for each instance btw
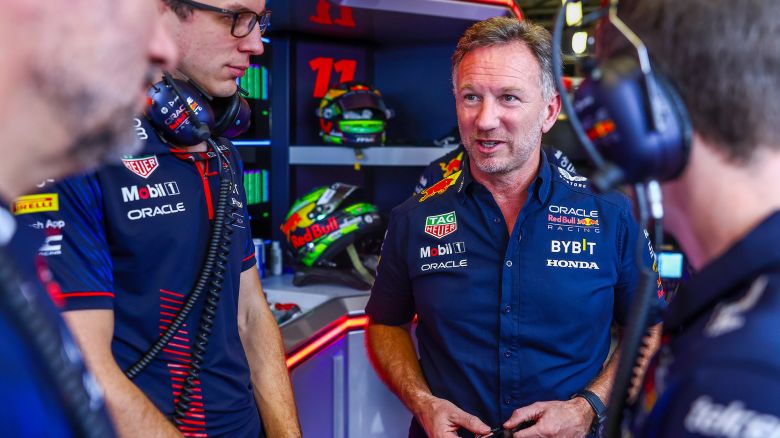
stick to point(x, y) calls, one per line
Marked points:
point(353, 114)
point(334, 236)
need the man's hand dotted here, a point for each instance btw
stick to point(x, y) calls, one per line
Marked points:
point(560, 419)
point(442, 419)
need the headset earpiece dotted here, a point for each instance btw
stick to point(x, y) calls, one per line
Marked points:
point(169, 114)
point(636, 120)
point(181, 126)
point(235, 116)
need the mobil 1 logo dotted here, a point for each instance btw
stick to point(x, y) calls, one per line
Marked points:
point(442, 250)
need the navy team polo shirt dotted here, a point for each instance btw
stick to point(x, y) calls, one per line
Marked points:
point(31, 405)
point(718, 370)
point(508, 320)
point(132, 237)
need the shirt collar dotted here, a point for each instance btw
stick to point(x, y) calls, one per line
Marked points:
point(740, 263)
point(154, 145)
point(540, 187)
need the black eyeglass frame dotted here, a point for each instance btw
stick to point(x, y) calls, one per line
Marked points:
point(263, 19)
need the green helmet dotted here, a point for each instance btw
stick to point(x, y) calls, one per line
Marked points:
point(334, 236)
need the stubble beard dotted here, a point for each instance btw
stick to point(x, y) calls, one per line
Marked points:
point(519, 155)
point(99, 121)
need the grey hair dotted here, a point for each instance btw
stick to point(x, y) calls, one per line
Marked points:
point(504, 30)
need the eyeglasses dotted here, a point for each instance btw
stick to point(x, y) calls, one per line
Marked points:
point(243, 22)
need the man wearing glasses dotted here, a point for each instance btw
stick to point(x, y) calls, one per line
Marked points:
point(133, 246)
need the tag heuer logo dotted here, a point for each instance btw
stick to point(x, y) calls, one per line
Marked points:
point(142, 167)
point(441, 225)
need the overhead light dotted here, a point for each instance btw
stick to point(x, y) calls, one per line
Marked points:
point(573, 13)
point(579, 42)
point(464, 10)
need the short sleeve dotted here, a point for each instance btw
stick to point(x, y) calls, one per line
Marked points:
point(391, 301)
point(248, 257)
point(628, 282)
point(75, 246)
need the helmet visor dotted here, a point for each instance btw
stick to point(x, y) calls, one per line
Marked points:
point(361, 99)
point(362, 126)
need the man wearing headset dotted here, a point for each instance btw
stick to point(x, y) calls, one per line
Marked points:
point(718, 370)
point(514, 267)
point(68, 104)
point(137, 240)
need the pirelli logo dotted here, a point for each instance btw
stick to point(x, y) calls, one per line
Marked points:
point(36, 203)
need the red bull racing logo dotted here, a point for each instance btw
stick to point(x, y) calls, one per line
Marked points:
point(564, 218)
point(452, 166)
point(440, 187)
point(588, 222)
point(441, 225)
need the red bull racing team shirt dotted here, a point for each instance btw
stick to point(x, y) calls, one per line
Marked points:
point(717, 372)
point(505, 320)
point(132, 237)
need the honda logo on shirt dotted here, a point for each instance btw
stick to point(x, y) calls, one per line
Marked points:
point(150, 191)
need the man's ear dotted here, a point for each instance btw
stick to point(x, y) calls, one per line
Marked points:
point(553, 109)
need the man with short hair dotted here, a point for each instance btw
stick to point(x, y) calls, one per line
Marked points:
point(718, 371)
point(515, 268)
point(168, 222)
point(68, 104)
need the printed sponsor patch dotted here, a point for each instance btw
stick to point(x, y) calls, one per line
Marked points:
point(572, 179)
point(452, 166)
point(439, 187)
point(442, 250)
point(572, 246)
point(574, 264)
point(572, 219)
point(452, 264)
point(160, 210)
point(143, 166)
point(441, 225)
point(36, 203)
point(150, 191)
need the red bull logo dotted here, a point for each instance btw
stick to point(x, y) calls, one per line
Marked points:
point(588, 222)
point(291, 223)
point(299, 219)
point(601, 129)
point(439, 187)
point(452, 166)
point(314, 232)
point(567, 220)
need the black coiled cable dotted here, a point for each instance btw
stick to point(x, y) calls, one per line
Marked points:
point(223, 215)
point(629, 366)
point(41, 334)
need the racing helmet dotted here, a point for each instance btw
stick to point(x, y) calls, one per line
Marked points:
point(334, 236)
point(353, 114)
